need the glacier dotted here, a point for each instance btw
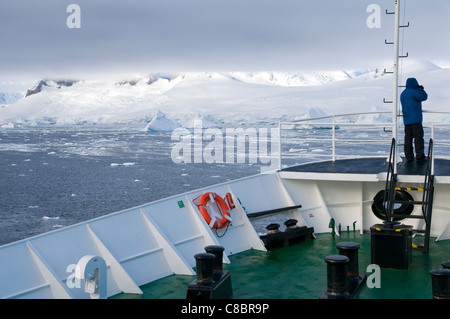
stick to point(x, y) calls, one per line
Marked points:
point(166, 101)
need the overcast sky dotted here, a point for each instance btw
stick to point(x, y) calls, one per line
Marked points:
point(149, 36)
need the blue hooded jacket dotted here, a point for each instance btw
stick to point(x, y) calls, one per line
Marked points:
point(411, 99)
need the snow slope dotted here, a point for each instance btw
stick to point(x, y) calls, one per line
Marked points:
point(9, 97)
point(218, 98)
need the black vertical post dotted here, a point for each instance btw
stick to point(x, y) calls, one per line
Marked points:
point(440, 282)
point(336, 277)
point(350, 249)
point(205, 266)
point(217, 251)
point(446, 264)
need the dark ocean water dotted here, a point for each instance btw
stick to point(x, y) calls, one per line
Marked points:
point(52, 177)
point(55, 177)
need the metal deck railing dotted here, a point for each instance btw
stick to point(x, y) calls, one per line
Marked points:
point(442, 143)
point(352, 135)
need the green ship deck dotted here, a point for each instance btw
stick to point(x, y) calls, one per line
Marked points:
point(300, 272)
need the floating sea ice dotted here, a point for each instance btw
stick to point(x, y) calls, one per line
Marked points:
point(123, 164)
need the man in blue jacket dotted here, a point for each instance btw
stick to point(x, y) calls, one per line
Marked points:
point(411, 99)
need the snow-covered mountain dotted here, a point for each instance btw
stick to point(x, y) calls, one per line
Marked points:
point(218, 98)
point(9, 97)
point(291, 78)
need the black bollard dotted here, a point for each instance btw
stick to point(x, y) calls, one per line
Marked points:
point(205, 268)
point(290, 224)
point(273, 228)
point(350, 249)
point(440, 282)
point(336, 277)
point(446, 264)
point(212, 281)
point(217, 251)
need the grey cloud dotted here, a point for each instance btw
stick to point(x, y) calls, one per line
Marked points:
point(183, 35)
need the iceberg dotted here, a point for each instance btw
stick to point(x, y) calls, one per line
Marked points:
point(160, 123)
point(316, 113)
point(376, 117)
point(8, 125)
point(206, 122)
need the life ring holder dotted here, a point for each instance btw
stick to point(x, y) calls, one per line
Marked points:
point(213, 222)
point(405, 209)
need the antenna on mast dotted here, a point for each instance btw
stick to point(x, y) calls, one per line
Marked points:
point(395, 72)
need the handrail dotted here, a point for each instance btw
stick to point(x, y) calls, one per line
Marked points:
point(442, 142)
point(391, 180)
point(427, 199)
point(335, 123)
point(340, 115)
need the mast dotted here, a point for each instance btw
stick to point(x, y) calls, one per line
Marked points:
point(395, 72)
point(395, 91)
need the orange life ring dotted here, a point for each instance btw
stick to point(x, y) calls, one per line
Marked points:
point(213, 222)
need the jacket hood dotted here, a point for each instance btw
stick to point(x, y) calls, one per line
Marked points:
point(412, 83)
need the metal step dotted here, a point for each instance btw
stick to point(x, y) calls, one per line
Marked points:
point(428, 189)
point(419, 189)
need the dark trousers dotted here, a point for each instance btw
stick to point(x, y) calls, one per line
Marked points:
point(414, 132)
